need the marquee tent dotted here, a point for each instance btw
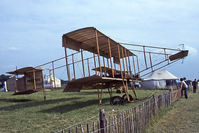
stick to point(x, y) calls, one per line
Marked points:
point(157, 80)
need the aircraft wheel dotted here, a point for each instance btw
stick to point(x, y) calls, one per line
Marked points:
point(116, 100)
point(125, 98)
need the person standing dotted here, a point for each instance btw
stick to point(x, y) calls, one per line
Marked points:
point(184, 87)
point(195, 86)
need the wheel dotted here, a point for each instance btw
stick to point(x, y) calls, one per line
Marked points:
point(116, 100)
point(125, 98)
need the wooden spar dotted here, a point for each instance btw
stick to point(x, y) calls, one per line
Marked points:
point(154, 65)
point(125, 87)
point(98, 53)
point(138, 66)
point(109, 48)
point(133, 89)
point(53, 73)
point(161, 67)
point(94, 64)
point(73, 66)
point(34, 81)
point(129, 64)
point(56, 60)
point(88, 68)
point(82, 62)
point(123, 63)
point(67, 67)
point(126, 61)
point(104, 64)
point(151, 61)
point(134, 65)
point(150, 46)
point(120, 61)
point(145, 57)
point(141, 51)
point(51, 86)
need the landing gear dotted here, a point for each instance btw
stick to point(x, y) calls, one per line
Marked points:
point(117, 100)
point(125, 98)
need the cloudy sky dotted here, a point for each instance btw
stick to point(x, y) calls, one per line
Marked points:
point(31, 30)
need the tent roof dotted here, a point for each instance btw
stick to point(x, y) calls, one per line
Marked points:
point(161, 75)
point(85, 39)
point(24, 70)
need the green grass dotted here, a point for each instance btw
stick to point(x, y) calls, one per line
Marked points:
point(181, 117)
point(29, 113)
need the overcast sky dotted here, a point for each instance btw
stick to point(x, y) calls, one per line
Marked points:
point(31, 30)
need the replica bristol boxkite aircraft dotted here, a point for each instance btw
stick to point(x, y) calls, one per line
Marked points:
point(95, 61)
point(107, 64)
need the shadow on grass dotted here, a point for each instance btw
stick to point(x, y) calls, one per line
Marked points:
point(84, 93)
point(31, 103)
point(15, 100)
point(70, 107)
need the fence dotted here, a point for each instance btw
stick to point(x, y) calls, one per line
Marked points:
point(133, 120)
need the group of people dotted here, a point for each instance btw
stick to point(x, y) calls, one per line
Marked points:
point(184, 86)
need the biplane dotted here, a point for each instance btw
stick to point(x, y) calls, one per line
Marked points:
point(95, 61)
point(107, 64)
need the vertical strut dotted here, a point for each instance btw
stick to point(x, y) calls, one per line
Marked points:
point(98, 53)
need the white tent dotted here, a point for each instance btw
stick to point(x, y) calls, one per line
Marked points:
point(157, 80)
point(48, 81)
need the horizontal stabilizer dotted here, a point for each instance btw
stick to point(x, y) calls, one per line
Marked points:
point(179, 55)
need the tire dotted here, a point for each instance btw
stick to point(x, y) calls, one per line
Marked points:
point(125, 98)
point(116, 100)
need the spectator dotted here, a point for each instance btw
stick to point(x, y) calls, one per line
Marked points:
point(184, 87)
point(195, 86)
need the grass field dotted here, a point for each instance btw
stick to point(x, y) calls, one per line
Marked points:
point(181, 117)
point(29, 113)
